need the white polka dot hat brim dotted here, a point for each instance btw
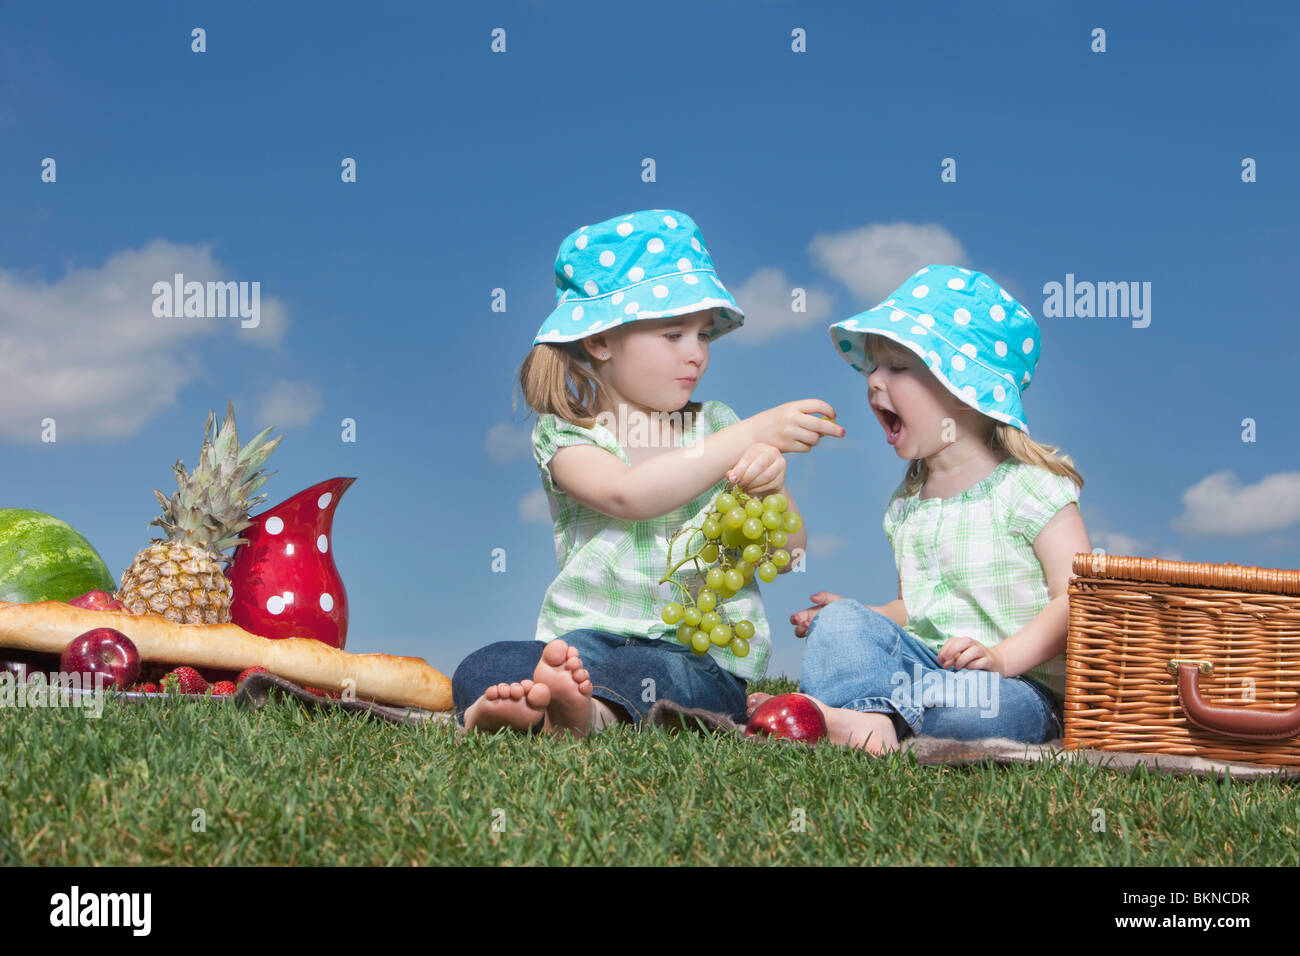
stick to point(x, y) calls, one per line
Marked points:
point(646, 265)
point(978, 341)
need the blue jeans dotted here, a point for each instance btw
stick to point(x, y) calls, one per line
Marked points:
point(629, 672)
point(858, 659)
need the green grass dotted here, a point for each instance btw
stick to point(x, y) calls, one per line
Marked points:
point(281, 786)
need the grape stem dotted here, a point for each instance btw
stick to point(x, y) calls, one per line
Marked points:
point(690, 557)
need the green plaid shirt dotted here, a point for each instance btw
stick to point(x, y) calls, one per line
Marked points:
point(967, 563)
point(609, 568)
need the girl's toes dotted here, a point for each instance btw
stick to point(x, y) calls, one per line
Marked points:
point(539, 696)
point(555, 652)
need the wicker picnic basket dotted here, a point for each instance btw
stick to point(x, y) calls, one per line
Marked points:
point(1172, 657)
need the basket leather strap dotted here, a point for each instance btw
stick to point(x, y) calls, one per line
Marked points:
point(1233, 721)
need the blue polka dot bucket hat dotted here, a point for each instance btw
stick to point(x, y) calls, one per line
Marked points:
point(977, 340)
point(646, 265)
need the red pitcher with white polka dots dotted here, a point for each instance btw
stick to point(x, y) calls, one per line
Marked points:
point(284, 579)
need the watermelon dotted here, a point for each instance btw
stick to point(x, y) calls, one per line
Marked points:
point(45, 559)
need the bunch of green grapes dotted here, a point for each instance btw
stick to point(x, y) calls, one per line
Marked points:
point(740, 537)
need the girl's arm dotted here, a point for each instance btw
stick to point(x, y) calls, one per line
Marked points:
point(894, 610)
point(657, 485)
point(1044, 637)
point(1037, 642)
point(669, 480)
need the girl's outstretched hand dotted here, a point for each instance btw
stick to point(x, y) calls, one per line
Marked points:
point(760, 471)
point(795, 426)
point(969, 654)
point(802, 620)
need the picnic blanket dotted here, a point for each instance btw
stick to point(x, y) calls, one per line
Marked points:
point(256, 688)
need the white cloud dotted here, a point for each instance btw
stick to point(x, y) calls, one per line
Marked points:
point(1117, 542)
point(825, 545)
point(534, 508)
point(766, 298)
point(289, 403)
point(1122, 545)
point(506, 442)
point(87, 351)
point(1220, 504)
point(874, 260)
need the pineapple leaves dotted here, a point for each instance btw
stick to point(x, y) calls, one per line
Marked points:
point(254, 453)
point(228, 437)
point(213, 502)
point(254, 483)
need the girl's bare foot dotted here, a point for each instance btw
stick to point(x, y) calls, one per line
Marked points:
point(520, 706)
point(872, 733)
point(755, 700)
point(571, 707)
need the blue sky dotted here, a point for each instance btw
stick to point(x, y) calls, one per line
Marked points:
point(472, 166)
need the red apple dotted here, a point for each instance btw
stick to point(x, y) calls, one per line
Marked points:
point(792, 716)
point(103, 651)
point(98, 601)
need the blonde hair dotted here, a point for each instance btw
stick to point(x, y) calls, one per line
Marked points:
point(1006, 441)
point(557, 378)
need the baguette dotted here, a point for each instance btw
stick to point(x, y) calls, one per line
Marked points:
point(49, 626)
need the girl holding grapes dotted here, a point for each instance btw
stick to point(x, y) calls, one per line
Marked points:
point(984, 528)
point(626, 458)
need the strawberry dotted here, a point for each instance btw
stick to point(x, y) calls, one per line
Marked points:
point(251, 670)
point(184, 680)
point(149, 688)
point(223, 688)
point(334, 694)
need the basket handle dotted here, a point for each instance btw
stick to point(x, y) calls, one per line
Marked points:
point(1231, 721)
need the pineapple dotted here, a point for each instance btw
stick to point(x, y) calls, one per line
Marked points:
point(182, 577)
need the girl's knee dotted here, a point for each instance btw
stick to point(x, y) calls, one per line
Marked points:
point(489, 652)
point(504, 661)
point(848, 615)
point(832, 617)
